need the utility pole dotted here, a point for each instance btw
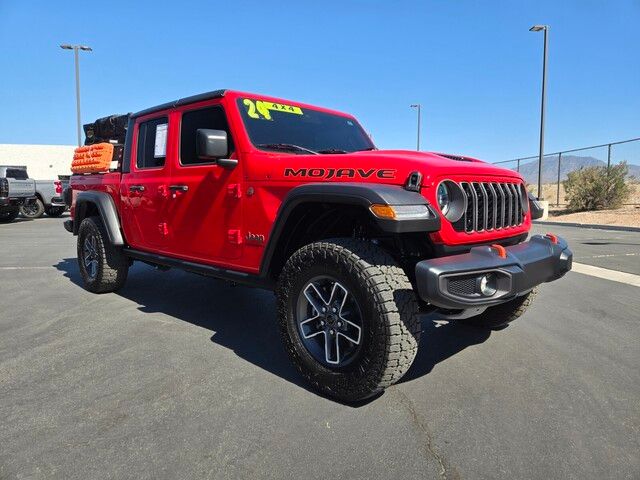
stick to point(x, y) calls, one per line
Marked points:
point(76, 57)
point(418, 107)
point(545, 29)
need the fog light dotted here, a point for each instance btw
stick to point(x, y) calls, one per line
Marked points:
point(487, 285)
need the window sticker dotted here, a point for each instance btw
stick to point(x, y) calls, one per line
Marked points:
point(160, 147)
point(261, 110)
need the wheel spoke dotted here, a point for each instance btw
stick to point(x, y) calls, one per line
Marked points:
point(331, 348)
point(339, 295)
point(94, 267)
point(311, 327)
point(315, 298)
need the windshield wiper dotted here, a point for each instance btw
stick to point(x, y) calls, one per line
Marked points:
point(287, 147)
point(367, 149)
point(332, 150)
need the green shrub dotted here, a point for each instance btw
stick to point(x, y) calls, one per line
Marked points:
point(597, 188)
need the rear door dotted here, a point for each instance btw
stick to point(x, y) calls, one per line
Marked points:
point(143, 190)
point(204, 211)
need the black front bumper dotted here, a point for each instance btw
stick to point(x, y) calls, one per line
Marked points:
point(453, 282)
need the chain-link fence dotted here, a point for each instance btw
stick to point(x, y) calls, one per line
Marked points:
point(556, 167)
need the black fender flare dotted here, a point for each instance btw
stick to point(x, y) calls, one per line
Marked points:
point(108, 213)
point(359, 194)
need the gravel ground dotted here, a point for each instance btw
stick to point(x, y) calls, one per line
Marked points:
point(625, 217)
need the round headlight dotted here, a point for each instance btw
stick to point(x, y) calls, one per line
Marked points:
point(443, 198)
point(451, 199)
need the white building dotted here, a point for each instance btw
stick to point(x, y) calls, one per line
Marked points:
point(44, 162)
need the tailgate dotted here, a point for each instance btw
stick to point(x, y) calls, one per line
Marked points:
point(21, 188)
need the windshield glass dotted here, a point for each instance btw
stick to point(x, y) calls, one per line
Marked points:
point(276, 126)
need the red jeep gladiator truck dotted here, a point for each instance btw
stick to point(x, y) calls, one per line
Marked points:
point(357, 243)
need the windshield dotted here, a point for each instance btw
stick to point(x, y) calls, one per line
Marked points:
point(275, 126)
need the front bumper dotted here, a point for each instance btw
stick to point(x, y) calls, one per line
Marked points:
point(453, 282)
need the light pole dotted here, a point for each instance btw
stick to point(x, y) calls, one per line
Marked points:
point(75, 49)
point(418, 107)
point(545, 29)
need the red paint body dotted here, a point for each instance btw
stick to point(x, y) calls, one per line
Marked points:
point(209, 223)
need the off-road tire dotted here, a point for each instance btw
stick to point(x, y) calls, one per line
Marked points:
point(26, 212)
point(8, 216)
point(503, 314)
point(113, 265)
point(54, 212)
point(391, 326)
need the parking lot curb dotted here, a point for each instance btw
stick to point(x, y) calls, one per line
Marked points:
point(619, 228)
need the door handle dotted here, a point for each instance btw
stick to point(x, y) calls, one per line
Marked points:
point(179, 188)
point(136, 188)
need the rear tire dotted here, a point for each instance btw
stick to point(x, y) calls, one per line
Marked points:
point(33, 210)
point(103, 266)
point(54, 211)
point(503, 314)
point(382, 303)
point(8, 216)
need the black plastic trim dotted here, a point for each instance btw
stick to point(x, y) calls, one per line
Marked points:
point(128, 141)
point(68, 225)
point(526, 265)
point(181, 101)
point(201, 269)
point(361, 194)
point(537, 211)
point(107, 210)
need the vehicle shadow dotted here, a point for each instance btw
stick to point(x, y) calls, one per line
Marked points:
point(242, 319)
point(440, 340)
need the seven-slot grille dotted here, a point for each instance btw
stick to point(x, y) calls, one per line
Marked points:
point(491, 206)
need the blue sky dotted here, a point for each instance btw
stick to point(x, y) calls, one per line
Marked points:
point(474, 66)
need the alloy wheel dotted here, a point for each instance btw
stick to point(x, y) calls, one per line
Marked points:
point(329, 322)
point(90, 256)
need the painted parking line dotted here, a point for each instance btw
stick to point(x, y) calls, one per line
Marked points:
point(613, 275)
point(26, 268)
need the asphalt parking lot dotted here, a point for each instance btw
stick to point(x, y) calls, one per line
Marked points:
point(179, 376)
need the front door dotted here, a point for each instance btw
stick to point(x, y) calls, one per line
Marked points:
point(204, 211)
point(143, 190)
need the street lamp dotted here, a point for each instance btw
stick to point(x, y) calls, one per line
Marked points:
point(417, 106)
point(545, 29)
point(75, 49)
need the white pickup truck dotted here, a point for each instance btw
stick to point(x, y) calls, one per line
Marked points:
point(48, 200)
point(16, 191)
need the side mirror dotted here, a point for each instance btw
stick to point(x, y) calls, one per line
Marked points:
point(211, 144)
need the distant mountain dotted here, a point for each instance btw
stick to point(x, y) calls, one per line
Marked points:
point(569, 163)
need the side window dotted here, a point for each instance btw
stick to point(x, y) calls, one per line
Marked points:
point(152, 143)
point(211, 117)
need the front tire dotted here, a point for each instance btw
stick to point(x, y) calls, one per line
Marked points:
point(348, 317)
point(503, 314)
point(32, 210)
point(103, 266)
